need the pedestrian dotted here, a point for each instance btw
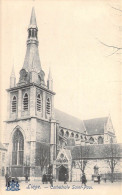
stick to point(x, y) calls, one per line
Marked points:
point(7, 179)
point(26, 177)
point(98, 178)
point(83, 179)
point(51, 180)
point(65, 178)
point(44, 178)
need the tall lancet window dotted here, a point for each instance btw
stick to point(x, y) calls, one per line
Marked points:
point(39, 103)
point(18, 148)
point(25, 102)
point(14, 104)
point(48, 106)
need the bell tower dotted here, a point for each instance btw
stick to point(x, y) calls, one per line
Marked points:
point(30, 113)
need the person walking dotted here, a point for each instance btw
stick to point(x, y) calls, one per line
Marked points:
point(83, 179)
point(51, 180)
point(98, 177)
point(7, 179)
point(65, 178)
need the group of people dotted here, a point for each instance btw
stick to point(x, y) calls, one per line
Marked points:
point(47, 178)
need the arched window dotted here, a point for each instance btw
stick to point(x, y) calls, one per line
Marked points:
point(81, 137)
point(76, 136)
point(39, 103)
point(18, 148)
point(48, 107)
point(14, 104)
point(67, 134)
point(91, 140)
point(100, 140)
point(62, 132)
point(72, 134)
point(25, 102)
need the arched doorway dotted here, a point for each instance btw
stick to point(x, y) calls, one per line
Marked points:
point(62, 172)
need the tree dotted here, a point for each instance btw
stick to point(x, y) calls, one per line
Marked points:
point(113, 160)
point(114, 47)
point(112, 153)
point(82, 162)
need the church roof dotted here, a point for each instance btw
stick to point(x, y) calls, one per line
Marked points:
point(96, 151)
point(69, 122)
point(2, 147)
point(95, 126)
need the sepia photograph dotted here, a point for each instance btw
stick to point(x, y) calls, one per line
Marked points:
point(60, 96)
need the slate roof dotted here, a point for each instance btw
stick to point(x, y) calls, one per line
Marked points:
point(2, 147)
point(69, 122)
point(100, 151)
point(95, 126)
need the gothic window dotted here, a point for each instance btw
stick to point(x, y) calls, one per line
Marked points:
point(91, 140)
point(25, 102)
point(48, 106)
point(76, 136)
point(14, 104)
point(18, 148)
point(72, 134)
point(39, 103)
point(62, 132)
point(100, 140)
point(81, 137)
point(67, 134)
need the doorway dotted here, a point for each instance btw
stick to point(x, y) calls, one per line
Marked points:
point(62, 172)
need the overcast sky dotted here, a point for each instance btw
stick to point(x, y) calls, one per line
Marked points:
point(86, 79)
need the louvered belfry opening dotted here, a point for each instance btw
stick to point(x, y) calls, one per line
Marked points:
point(14, 104)
point(39, 103)
point(48, 107)
point(25, 102)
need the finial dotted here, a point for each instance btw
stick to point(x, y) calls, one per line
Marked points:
point(33, 18)
point(49, 75)
point(13, 72)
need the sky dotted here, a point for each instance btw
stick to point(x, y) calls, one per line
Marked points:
point(86, 77)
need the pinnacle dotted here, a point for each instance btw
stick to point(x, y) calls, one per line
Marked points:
point(12, 72)
point(33, 18)
point(49, 75)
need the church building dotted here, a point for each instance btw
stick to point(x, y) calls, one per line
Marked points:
point(40, 138)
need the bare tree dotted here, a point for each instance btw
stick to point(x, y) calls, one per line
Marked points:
point(115, 48)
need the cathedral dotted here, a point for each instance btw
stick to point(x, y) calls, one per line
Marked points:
point(41, 139)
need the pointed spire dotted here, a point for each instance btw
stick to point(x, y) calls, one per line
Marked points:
point(12, 78)
point(13, 72)
point(49, 74)
point(33, 19)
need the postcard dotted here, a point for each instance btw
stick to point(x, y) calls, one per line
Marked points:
point(60, 86)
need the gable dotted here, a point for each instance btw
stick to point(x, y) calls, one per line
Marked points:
point(64, 156)
point(109, 126)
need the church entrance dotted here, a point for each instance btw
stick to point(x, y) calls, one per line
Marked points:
point(62, 172)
